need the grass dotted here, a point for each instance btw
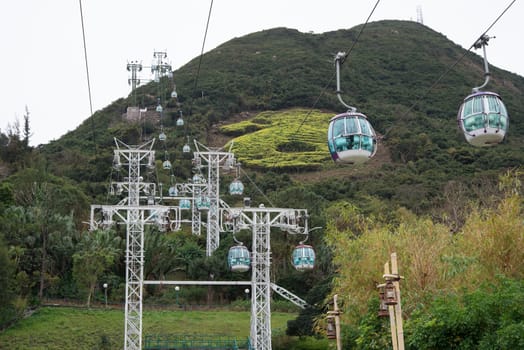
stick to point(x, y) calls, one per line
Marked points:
point(289, 139)
point(77, 328)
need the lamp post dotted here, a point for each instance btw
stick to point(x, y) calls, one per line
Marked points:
point(247, 293)
point(177, 289)
point(105, 293)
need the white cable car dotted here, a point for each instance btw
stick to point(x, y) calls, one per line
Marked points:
point(236, 187)
point(238, 258)
point(198, 179)
point(303, 257)
point(184, 204)
point(180, 120)
point(351, 138)
point(186, 148)
point(173, 192)
point(203, 202)
point(482, 117)
point(166, 165)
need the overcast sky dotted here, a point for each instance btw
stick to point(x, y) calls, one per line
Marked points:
point(43, 57)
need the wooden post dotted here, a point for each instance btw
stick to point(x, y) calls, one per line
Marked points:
point(391, 309)
point(337, 322)
point(398, 308)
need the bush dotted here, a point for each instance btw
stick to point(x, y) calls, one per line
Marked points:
point(488, 318)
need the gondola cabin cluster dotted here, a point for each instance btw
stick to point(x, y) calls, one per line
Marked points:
point(239, 258)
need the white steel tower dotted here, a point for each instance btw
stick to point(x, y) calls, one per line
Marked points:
point(261, 220)
point(135, 215)
point(214, 159)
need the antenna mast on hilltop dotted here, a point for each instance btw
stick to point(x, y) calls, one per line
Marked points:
point(420, 19)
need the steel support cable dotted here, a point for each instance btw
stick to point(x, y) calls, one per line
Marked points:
point(258, 189)
point(203, 45)
point(87, 74)
point(456, 62)
point(200, 60)
point(318, 97)
point(322, 92)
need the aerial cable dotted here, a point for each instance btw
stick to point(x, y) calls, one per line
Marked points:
point(483, 35)
point(195, 84)
point(258, 189)
point(342, 59)
point(201, 55)
point(87, 74)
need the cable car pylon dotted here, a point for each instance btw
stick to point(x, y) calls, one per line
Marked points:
point(351, 138)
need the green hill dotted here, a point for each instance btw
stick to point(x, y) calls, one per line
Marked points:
point(390, 75)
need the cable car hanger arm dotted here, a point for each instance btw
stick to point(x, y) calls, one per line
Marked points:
point(482, 42)
point(339, 59)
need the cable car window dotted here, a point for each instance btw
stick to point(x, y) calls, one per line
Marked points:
point(356, 142)
point(364, 126)
point(467, 107)
point(478, 105)
point(493, 104)
point(351, 126)
point(341, 144)
point(338, 127)
point(367, 143)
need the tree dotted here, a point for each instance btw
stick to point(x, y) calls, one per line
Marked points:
point(27, 128)
point(7, 309)
point(361, 245)
point(494, 238)
point(97, 251)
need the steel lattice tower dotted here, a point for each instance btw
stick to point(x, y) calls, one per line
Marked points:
point(134, 255)
point(261, 220)
point(261, 283)
point(135, 216)
point(214, 160)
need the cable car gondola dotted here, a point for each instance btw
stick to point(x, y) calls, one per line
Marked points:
point(351, 138)
point(236, 187)
point(303, 257)
point(482, 117)
point(185, 204)
point(203, 202)
point(238, 258)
